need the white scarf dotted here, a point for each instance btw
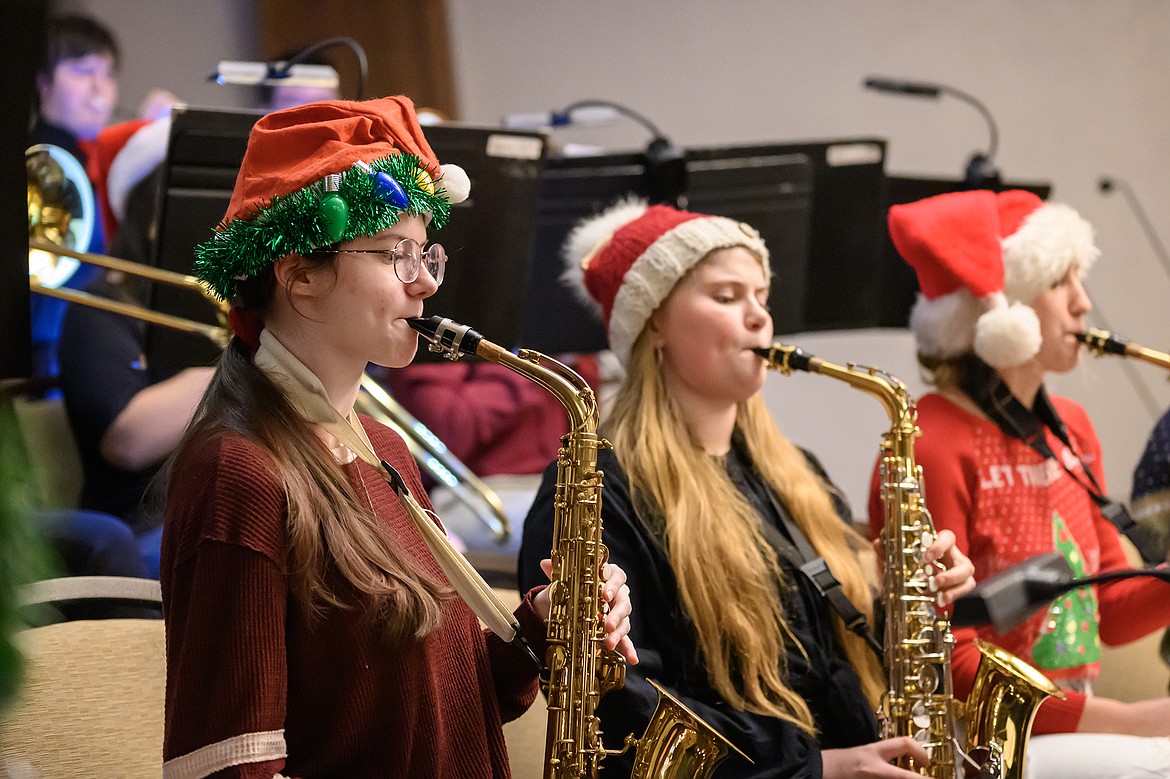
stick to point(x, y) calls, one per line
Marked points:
point(307, 395)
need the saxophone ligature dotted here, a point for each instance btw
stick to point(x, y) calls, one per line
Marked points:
point(1101, 342)
point(579, 668)
point(919, 700)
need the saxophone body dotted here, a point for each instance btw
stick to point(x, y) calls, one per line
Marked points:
point(579, 668)
point(919, 700)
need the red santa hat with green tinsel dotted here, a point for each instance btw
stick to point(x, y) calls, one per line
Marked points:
point(323, 173)
point(981, 258)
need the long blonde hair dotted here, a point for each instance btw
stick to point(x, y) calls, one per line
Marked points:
point(727, 573)
point(337, 548)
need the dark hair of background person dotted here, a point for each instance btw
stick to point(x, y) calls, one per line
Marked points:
point(73, 37)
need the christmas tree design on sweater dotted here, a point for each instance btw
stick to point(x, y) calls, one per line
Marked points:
point(1069, 636)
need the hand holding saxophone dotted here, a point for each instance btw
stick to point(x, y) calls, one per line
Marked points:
point(873, 760)
point(954, 572)
point(616, 594)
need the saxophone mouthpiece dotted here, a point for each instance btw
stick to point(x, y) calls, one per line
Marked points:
point(448, 338)
point(1102, 341)
point(787, 358)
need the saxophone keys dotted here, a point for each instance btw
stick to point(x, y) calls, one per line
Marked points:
point(921, 719)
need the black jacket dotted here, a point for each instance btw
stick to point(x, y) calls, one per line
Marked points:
point(664, 638)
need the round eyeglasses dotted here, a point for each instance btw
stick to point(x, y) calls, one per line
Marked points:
point(408, 258)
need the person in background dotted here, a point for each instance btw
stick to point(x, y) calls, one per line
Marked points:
point(126, 418)
point(1151, 493)
point(77, 92)
point(712, 512)
point(77, 89)
point(1014, 472)
point(503, 427)
point(297, 588)
point(77, 84)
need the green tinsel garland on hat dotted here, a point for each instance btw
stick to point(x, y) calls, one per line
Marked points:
point(293, 223)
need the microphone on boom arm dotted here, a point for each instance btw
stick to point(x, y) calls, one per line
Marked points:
point(980, 171)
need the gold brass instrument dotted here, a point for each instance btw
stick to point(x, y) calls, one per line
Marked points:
point(54, 188)
point(60, 209)
point(219, 334)
point(580, 669)
point(919, 700)
point(1104, 342)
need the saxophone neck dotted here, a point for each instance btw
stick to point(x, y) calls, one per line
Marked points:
point(885, 387)
point(564, 383)
point(454, 340)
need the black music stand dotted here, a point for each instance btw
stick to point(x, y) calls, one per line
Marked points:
point(818, 206)
point(22, 37)
point(488, 238)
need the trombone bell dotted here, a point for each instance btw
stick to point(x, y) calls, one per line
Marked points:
point(60, 211)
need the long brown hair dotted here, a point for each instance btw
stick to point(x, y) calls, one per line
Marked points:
point(335, 543)
point(944, 373)
point(727, 574)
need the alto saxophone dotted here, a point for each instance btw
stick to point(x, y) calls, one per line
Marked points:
point(677, 744)
point(919, 701)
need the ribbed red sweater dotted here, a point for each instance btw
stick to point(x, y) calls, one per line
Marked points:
point(1005, 503)
point(248, 673)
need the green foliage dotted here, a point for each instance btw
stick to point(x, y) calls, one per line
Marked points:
point(23, 556)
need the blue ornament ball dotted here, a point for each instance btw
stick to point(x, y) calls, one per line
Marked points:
point(390, 190)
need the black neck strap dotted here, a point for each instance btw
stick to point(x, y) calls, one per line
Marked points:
point(991, 394)
point(816, 570)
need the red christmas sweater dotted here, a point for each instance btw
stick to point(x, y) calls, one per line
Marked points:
point(255, 689)
point(1005, 502)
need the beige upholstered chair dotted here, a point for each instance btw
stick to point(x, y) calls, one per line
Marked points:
point(90, 702)
point(52, 452)
point(1134, 671)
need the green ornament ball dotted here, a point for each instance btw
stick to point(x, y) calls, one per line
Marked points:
point(334, 215)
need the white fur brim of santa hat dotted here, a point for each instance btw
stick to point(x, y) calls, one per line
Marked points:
point(141, 154)
point(628, 258)
point(1002, 329)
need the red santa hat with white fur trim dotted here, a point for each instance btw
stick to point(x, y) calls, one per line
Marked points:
point(123, 155)
point(628, 258)
point(981, 258)
point(142, 153)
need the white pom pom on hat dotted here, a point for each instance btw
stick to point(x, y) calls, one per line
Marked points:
point(455, 183)
point(587, 238)
point(628, 258)
point(981, 257)
point(1007, 335)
